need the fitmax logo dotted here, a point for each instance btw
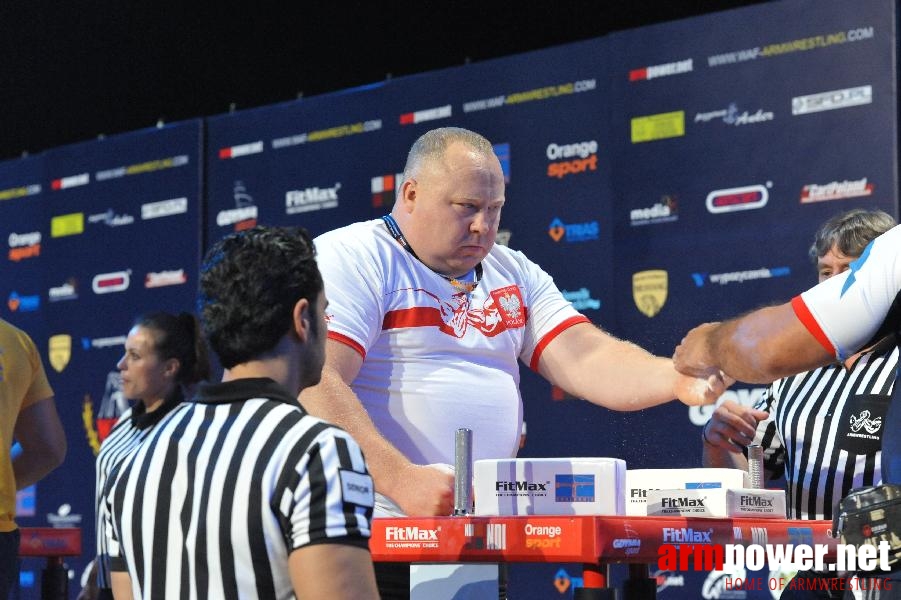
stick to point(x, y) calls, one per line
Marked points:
point(672, 534)
point(671, 502)
point(411, 534)
point(519, 486)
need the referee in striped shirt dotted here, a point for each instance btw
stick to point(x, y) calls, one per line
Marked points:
point(239, 493)
point(822, 429)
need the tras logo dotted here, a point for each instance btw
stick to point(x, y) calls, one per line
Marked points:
point(21, 303)
point(573, 232)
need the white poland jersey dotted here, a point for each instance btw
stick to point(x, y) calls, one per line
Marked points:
point(435, 359)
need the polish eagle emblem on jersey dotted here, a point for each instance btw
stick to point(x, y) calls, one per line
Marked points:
point(510, 306)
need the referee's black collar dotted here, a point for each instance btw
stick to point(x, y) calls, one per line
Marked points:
point(239, 390)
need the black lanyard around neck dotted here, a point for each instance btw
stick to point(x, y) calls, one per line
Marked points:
point(467, 287)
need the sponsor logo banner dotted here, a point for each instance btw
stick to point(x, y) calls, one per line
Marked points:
point(429, 114)
point(649, 291)
point(581, 299)
point(577, 158)
point(836, 190)
point(243, 218)
point(383, 189)
point(798, 45)
point(66, 291)
point(164, 208)
point(111, 219)
point(59, 351)
point(735, 116)
point(543, 93)
point(856, 96)
point(664, 70)
point(658, 127)
point(107, 283)
point(327, 134)
point(241, 150)
point(748, 197)
point(310, 199)
point(20, 191)
point(665, 211)
point(24, 245)
point(143, 167)
point(63, 225)
point(20, 303)
point(164, 278)
point(64, 183)
point(740, 276)
point(573, 232)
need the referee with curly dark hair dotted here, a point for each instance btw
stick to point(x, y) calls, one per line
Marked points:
point(239, 493)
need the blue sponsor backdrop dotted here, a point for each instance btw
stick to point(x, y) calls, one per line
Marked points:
point(664, 176)
point(118, 224)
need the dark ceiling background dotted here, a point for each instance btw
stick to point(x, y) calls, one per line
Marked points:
point(71, 71)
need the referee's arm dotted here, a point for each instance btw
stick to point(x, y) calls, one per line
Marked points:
point(121, 583)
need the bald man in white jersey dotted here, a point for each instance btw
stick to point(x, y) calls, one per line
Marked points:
point(429, 319)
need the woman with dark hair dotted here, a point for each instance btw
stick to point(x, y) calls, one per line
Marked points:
point(165, 355)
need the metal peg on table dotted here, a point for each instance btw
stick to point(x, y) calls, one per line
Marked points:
point(755, 466)
point(463, 472)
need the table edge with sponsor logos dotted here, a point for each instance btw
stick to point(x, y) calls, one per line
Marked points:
point(594, 541)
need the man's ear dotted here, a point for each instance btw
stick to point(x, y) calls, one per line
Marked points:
point(300, 319)
point(408, 190)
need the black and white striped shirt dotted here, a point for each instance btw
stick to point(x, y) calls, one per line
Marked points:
point(226, 487)
point(124, 438)
point(825, 430)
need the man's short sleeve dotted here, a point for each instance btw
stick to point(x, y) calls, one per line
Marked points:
point(844, 312)
point(329, 494)
point(353, 290)
point(39, 388)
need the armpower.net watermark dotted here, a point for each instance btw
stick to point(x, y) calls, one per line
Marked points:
point(871, 563)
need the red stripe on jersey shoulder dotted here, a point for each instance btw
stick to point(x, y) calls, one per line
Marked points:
point(343, 339)
point(807, 319)
point(549, 337)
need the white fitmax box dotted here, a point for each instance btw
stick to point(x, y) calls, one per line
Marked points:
point(640, 481)
point(717, 503)
point(549, 486)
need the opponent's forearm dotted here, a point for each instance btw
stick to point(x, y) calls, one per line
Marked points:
point(765, 345)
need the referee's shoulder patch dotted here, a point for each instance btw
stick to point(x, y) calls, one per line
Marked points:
point(357, 488)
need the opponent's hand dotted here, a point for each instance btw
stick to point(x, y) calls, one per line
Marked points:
point(428, 491)
point(699, 391)
point(732, 426)
point(692, 355)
